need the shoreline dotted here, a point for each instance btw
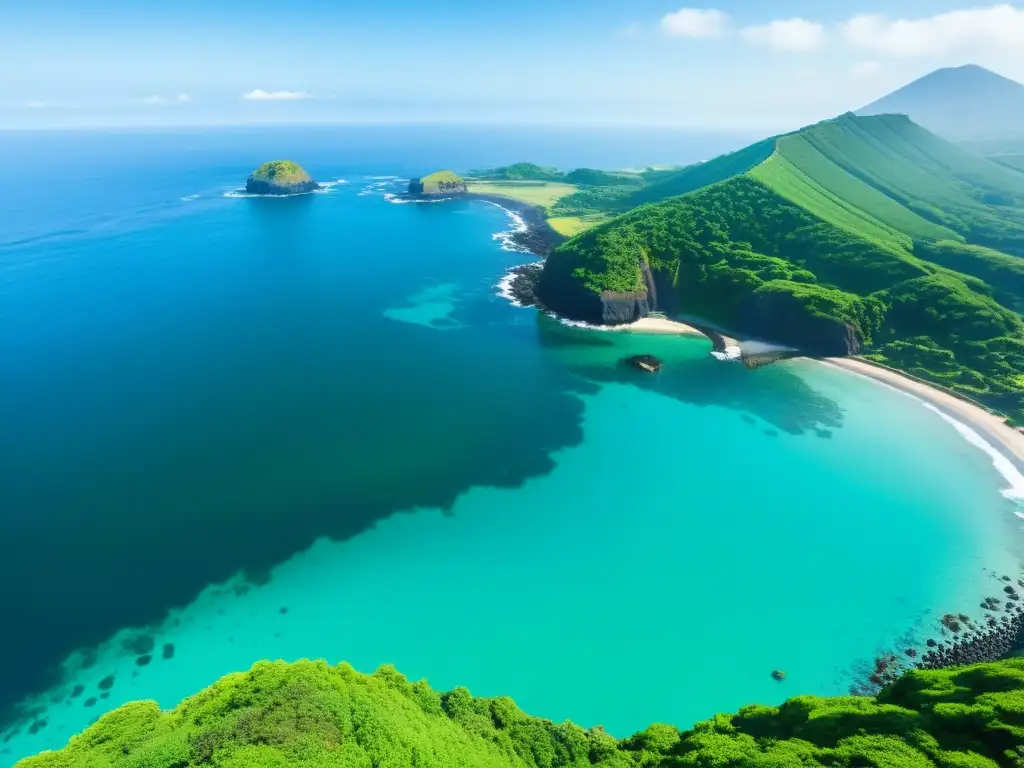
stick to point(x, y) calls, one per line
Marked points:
point(537, 236)
point(1008, 441)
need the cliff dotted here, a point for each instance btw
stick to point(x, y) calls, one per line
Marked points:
point(441, 183)
point(280, 177)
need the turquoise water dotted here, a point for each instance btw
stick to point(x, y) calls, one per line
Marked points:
point(240, 429)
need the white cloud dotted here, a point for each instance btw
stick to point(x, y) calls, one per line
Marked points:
point(1000, 26)
point(865, 69)
point(184, 98)
point(787, 35)
point(154, 99)
point(36, 104)
point(261, 95)
point(695, 23)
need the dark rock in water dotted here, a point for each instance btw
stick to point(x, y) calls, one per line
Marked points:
point(280, 177)
point(36, 727)
point(950, 622)
point(77, 691)
point(522, 283)
point(105, 695)
point(284, 609)
point(168, 652)
point(648, 363)
point(143, 660)
point(106, 683)
point(931, 643)
point(911, 653)
point(139, 644)
point(90, 702)
point(778, 675)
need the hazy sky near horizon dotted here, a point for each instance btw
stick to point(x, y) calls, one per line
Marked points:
point(729, 64)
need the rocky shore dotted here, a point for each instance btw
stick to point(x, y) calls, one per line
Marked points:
point(535, 235)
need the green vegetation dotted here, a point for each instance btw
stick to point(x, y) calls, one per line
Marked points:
point(520, 172)
point(310, 714)
point(861, 233)
point(281, 172)
point(570, 226)
point(438, 183)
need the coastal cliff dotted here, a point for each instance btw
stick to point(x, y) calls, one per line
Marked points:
point(280, 177)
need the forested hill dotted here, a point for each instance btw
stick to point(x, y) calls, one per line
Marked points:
point(309, 714)
point(858, 234)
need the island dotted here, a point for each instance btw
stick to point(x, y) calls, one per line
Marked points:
point(310, 713)
point(280, 177)
point(437, 184)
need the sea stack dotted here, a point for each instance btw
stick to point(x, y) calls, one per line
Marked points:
point(280, 177)
point(439, 184)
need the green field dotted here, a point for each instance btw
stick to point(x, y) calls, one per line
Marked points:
point(570, 226)
point(310, 714)
point(540, 193)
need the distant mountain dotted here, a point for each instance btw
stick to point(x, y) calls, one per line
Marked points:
point(959, 103)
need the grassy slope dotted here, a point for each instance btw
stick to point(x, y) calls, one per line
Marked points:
point(874, 213)
point(1014, 162)
point(310, 714)
point(282, 172)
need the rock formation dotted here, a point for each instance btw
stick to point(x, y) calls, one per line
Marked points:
point(439, 184)
point(280, 177)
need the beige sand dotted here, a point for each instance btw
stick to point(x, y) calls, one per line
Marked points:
point(657, 325)
point(1007, 439)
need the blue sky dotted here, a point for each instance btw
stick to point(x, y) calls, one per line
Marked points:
point(742, 64)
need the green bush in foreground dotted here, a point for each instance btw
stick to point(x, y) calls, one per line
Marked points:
point(311, 714)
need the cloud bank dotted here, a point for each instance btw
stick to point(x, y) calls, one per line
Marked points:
point(261, 95)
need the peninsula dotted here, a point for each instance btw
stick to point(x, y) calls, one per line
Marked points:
point(280, 177)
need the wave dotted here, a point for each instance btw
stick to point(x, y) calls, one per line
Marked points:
point(731, 352)
point(1003, 465)
point(504, 285)
point(507, 237)
point(391, 198)
point(189, 198)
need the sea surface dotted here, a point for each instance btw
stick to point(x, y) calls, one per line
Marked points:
point(237, 428)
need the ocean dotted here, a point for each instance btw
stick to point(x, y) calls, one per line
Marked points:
point(239, 428)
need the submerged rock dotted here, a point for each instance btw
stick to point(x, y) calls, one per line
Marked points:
point(778, 675)
point(648, 363)
point(280, 177)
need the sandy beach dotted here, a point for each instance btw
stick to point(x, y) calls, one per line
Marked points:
point(1009, 441)
point(657, 325)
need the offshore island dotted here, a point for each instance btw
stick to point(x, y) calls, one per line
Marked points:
point(280, 177)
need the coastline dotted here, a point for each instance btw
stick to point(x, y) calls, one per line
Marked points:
point(535, 236)
point(1008, 441)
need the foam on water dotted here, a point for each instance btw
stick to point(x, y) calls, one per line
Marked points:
point(504, 285)
point(326, 187)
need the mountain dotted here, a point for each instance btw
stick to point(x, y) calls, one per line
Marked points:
point(311, 714)
point(960, 103)
point(855, 235)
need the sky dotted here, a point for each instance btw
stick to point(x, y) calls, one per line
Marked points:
point(740, 65)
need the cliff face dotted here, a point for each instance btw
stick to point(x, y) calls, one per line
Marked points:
point(782, 318)
point(256, 186)
point(563, 294)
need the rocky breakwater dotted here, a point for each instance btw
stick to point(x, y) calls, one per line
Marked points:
point(280, 177)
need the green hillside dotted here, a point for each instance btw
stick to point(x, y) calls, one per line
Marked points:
point(859, 234)
point(311, 715)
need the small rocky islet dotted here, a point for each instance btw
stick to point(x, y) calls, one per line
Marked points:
point(280, 177)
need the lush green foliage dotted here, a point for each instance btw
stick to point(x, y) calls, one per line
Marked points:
point(309, 714)
point(281, 172)
point(437, 183)
point(521, 172)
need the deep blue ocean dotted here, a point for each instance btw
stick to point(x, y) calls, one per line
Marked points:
point(238, 428)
